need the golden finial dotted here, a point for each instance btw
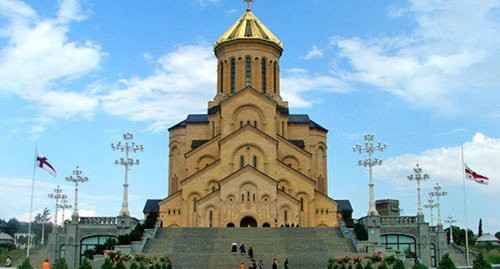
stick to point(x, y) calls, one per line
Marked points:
point(248, 4)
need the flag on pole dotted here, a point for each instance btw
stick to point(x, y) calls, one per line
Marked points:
point(43, 163)
point(471, 175)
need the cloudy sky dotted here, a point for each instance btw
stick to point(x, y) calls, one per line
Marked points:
point(421, 75)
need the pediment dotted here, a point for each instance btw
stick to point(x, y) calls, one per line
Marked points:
point(248, 129)
point(250, 93)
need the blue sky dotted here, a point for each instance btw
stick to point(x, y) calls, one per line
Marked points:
point(421, 75)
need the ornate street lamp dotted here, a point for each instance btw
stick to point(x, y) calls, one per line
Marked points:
point(438, 193)
point(431, 205)
point(127, 146)
point(369, 148)
point(64, 205)
point(450, 220)
point(418, 176)
point(75, 178)
point(57, 194)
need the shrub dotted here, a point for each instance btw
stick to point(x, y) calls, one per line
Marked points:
point(382, 265)
point(133, 265)
point(418, 265)
point(398, 264)
point(368, 265)
point(480, 262)
point(359, 265)
point(108, 264)
point(26, 264)
point(85, 264)
point(446, 262)
point(60, 264)
point(120, 265)
point(390, 259)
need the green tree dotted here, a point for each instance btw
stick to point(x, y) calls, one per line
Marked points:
point(12, 226)
point(480, 228)
point(42, 218)
point(360, 231)
point(151, 220)
point(85, 264)
point(446, 262)
point(480, 262)
point(60, 264)
point(347, 217)
point(497, 235)
point(398, 264)
point(26, 264)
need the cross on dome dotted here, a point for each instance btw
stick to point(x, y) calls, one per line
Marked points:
point(248, 4)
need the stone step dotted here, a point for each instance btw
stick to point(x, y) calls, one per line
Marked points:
point(210, 247)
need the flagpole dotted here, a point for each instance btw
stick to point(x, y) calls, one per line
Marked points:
point(31, 203)
point(465, 207)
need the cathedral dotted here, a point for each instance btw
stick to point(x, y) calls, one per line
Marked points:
point(248, 162)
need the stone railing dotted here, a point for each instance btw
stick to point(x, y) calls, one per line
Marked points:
point(398, 220)
point(99, 220)
point(349, 233)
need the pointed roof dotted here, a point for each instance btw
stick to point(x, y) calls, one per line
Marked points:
point(248, 27)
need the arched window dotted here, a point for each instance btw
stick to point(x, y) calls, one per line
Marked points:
point(301, 203)
point(255, 161)
point(242, 161)
point(243, 197)
point(213, 129)
point(286, 217)
point(398, 241)
point(221, 70)
point(210, 218)
point(248, 76)
point(194, 204)
point(283, 128)
point(264, 78)
point(233, 75)
point(275, 72)
point(253, 196)
point(248, 196)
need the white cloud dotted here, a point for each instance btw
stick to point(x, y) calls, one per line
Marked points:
point(296, 82)
point(314, 52)
point(39, 55)
point(447, 62)
point(183, 82)
point(444, 165)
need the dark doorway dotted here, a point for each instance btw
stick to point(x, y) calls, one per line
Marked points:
point(266, 224)
point(248, 222)
point(230, 224)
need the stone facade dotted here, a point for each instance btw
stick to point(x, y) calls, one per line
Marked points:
point(66, 241)
point(247, 161)
point(428, 243)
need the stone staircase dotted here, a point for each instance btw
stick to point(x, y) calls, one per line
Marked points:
point(305, 248)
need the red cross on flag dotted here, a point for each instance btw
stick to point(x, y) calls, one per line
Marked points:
point(43, 163)
point(471, 175)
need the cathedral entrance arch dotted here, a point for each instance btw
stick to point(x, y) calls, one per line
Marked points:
point(248, 222)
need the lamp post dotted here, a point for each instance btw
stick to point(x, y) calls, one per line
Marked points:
point(75, 178)
point(438, 193)
point(418, 176)
point(57, 194)
point(64, 205)
point(431, 205)
point(127, 146)
point(450, 220)
point(369, 148)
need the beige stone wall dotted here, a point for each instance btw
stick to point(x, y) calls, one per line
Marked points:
point(247, 169)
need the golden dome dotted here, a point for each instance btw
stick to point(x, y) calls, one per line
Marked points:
point(248, 27)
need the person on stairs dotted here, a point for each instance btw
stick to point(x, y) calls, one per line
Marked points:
point(242, 266)
point(243, 250)
point(250, 252)
point(234, 248)
point(286, 264)
point(275, 264)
